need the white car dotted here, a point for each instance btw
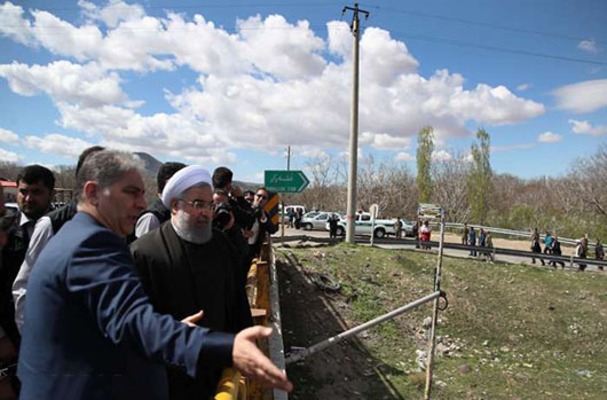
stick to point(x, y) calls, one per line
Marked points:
point(364, 226)
point(316, 220)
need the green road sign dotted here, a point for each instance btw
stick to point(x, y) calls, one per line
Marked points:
point(285, 181)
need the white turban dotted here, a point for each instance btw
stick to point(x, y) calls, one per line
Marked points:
point(182, 180)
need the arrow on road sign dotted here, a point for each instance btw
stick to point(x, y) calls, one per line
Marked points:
point(285, 181)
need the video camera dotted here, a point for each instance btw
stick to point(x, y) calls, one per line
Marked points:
point(222, 215)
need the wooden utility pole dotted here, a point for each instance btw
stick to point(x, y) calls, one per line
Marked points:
point(355, 28)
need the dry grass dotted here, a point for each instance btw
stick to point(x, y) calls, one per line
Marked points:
point(520, 332)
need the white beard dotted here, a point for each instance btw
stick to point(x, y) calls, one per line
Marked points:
point(185, 229)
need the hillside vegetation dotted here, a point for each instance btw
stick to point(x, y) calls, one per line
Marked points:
point(510, 331)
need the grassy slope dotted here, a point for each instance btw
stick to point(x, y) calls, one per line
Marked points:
point(522, 332)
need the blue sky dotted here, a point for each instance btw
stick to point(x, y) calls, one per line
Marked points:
point(235, 83)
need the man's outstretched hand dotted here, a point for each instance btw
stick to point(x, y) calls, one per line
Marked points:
point(252, 363)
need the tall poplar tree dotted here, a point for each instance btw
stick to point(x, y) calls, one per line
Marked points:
point(480, 179)
point(425, 147)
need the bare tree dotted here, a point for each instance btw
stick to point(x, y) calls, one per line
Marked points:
point(589, 177)
point(450, 190)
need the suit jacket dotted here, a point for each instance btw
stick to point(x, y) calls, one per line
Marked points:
point(90, 332)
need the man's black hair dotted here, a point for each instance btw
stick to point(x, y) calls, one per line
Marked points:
point(165, 172)
point(35, 173)
point(222, 177)
point(85, 153)
point(220, 191)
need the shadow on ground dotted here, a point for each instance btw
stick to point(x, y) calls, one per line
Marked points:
point(342, 371)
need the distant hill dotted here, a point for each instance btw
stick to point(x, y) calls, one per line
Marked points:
point(152, 164)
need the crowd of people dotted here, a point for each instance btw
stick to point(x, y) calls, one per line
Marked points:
point(107, 297)
point(553, 246)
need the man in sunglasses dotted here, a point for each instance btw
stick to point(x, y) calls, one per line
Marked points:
point(261, 223)
point(187, 266)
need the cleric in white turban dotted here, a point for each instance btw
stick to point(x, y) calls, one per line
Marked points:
point(183, 180)
point(185, 267)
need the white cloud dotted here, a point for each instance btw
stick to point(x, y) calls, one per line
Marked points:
point(384, 141)
point(14, 25)
point(494, 105)
point(57, 144)
point(523, 87)
point(588, 46)
point(401, 156)
point(549, 137)
point(7, 136)
point(582, 97)
point(87, 85)
point(9, 156)
point(114, 12)
point(384, 59)
point(268, 85)
point(585, 127)
point(441, 155)
point(281, 49)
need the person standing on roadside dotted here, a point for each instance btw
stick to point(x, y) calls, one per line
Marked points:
point(535, 246)
point(489, 247)
point(35, 192)
point(90, 331)
point(472, 241)
point(599, 252)
point(188, 265)
point(46, 227)
point(398, 228)
point(548, 243)
point(333, 226)
point(556, 250)
point(580, 252)
point(465, 234)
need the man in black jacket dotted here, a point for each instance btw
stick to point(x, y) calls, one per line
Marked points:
point(156, 213)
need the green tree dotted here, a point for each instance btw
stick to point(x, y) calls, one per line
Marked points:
point(480, 178)
point(425, 147)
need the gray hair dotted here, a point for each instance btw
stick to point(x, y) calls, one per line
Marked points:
point(106, 167)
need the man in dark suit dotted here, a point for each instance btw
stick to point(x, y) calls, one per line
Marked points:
point(90, 331)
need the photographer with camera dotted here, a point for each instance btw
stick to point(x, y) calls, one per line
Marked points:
point(223, 220)
point(241, 209)
point(261, 223)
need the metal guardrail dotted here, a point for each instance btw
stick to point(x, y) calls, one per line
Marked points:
point(506, 232)
point(262, 292)
point(570, 260)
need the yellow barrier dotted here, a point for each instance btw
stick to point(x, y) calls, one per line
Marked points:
point(232, 385)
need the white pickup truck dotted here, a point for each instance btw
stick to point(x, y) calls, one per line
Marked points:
point(364, 226)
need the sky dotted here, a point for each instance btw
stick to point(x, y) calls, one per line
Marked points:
point(234, 83)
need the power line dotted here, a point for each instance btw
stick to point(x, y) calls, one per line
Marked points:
point(495, 48)
point(396, 34)
point(485, 24)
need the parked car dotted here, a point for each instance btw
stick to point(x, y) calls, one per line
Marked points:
point(316, 220)
point(364, 226)
point(407, 227)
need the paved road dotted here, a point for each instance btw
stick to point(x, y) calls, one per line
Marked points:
point(509, 251)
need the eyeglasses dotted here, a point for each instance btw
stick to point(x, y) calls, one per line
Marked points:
point(199, 204)
point(261, 196)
